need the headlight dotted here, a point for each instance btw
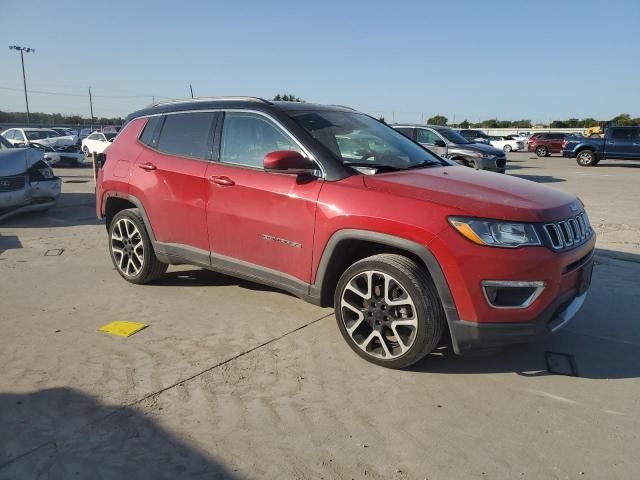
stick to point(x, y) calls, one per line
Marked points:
point(496, 233)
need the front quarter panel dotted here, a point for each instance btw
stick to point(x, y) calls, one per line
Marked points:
point(349, 204)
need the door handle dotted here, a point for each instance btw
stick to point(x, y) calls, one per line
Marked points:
point(221, 180)
point(147, 166)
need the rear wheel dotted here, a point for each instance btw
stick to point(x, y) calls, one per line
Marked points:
point(131, 250)
point(388, 310)
point(542, 151)
point(86, 151)
point(586, 158)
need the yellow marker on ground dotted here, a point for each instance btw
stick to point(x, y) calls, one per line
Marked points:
point(122, 328)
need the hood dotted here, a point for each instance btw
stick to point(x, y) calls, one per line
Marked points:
point(478, 193)
point(479, 147)
point(16, 161)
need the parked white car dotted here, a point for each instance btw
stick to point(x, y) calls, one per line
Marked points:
point(41, 136)
point(519, 138)
point(97, 142)
point(505, 144)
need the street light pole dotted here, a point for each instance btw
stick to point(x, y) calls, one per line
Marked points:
point(24, 77)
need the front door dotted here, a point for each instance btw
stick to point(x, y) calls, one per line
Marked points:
point(256, 218)
point(428, 138)
point(620, 143)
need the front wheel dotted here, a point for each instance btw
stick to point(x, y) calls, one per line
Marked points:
point(131, 250)
point(388, 310)
point(586, 158)
point(86, 151)
point(506, 148)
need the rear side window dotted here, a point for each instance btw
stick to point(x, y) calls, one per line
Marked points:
point(149, 134)
point(406, 131)
point(187, 135)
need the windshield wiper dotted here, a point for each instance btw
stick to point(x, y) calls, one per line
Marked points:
point(426, 163)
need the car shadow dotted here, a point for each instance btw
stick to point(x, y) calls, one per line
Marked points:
point(628, 164)
point(540, 178)
point(9, 242)
point(209, 278)
point(603, 340)
point(63, 433)
point(517, 167)
point(71, 209)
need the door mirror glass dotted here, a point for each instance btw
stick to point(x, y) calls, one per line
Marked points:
point(288, 161)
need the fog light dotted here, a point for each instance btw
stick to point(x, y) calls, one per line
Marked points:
point(511, 294)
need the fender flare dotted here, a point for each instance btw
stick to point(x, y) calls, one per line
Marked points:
point(138, 204)
point(421, 251)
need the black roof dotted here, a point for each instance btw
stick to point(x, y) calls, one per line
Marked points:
point(254, 103)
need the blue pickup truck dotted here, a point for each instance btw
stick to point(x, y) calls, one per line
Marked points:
point(620, 143)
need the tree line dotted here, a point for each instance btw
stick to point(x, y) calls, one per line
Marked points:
point(56, 119)
point(622, 119)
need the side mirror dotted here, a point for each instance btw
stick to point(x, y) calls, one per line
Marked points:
point(288, 161)
point(111, 140)
point(440, 143)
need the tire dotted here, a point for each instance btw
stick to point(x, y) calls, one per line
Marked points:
point(586, 158)
point(128, 235)
point(542, 151)
point(506, 148)
point(86, 151)
point(371, 327)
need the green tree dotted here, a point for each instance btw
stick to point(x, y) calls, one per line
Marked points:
point(558, 124)
point(491, 123)
point(465, 124)
point(286, 97)
point(622, 119)
point(438, 120)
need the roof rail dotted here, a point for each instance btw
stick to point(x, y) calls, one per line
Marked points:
point(343, 106)
point(208, 99)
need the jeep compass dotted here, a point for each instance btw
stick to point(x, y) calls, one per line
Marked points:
point(342, 210)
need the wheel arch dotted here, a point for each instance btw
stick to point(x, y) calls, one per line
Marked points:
point(115, 203)
point(348, 246)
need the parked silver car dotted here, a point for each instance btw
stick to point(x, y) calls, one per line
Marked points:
point(27, 182)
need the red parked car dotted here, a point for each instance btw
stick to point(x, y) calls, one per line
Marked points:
point(340, 209)
point(544, 144)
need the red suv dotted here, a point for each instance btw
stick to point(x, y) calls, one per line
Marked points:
point(545, 144)
point(340, 209)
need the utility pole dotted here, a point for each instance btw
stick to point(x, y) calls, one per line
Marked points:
point(91, 107)
point(24, 77)
point(191, 88)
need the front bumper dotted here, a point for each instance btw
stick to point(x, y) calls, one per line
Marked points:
point(470, 336)
point(491, 164)
point(36, 195)
point(55, 158)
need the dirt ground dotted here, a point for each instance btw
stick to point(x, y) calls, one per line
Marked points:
point(235, 380)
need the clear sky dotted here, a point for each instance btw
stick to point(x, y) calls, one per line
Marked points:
point(479, 59)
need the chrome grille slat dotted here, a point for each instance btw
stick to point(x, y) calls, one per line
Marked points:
point(568, 233)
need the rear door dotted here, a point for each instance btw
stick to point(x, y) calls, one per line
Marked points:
point(620, 143)
point(260, 219)
point(169, 180)
point(428, 138)
point(555, 142)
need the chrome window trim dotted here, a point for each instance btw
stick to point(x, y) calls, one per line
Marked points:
point(241, 110)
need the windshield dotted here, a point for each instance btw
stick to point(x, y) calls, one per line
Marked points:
point(453, 136)
point(358, 140)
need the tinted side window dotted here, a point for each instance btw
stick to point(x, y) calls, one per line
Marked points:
point(542, 136)
point(187, 134)
point(149, 134)
point(621, 134)
point(247, 138)
point(426, 136)
point(406, 131)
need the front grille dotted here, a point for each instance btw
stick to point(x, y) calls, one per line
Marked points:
point(8, 184)
point(501, 162)
point(569, 233)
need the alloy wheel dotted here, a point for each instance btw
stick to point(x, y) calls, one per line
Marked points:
point(127, 247)
point(378, 314)
point(584, 158)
